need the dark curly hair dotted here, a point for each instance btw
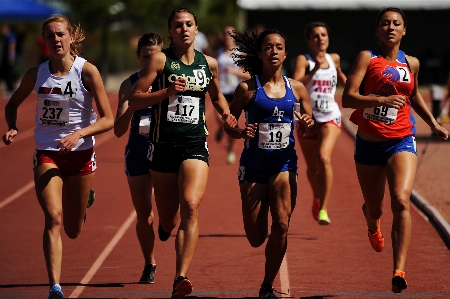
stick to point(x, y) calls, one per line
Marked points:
point(248, 44)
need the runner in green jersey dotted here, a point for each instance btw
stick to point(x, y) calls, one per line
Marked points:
point(180, 77)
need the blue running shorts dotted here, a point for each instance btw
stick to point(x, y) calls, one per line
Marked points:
point(378, 153)
point(262, 175)
point(136, 161)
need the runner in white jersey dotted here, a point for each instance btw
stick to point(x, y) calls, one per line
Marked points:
point(230, 75)
point(320, 72)
point(64, 159)
point(63, 107)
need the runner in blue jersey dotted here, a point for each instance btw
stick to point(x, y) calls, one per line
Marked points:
point(268, 165)
point(136, 169)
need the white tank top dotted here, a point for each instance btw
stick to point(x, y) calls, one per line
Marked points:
point(64, 106)
point(227, 81)
point(321, 89)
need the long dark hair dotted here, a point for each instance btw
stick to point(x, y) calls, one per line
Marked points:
point(248, 44)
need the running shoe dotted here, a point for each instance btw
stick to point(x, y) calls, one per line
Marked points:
point(266, 291)
point(323, 218)
point(91, 198)
point(181, 287)
point(398, 281)
point(162, 234)
point(148, 275)
point(55, 292)
point(376, 239)
point(231, 158)
point(315, 208)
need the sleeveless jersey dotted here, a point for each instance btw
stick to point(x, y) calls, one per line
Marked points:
point(63, 106)
point(227, 81)
point(181, 118)
point(274, 139)
point(384, 78)
point(321, 89)
point(140, 124)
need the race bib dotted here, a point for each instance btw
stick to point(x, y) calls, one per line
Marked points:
point(274, 135)
point(381, 114)
point(323, 102)
point(53, 112)
point(183, 109)
point(144, 125)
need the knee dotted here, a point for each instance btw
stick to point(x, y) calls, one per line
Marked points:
point(400, 204)
point(53, 220)
point(324, 160)
point(279, 228)
point(189, 211)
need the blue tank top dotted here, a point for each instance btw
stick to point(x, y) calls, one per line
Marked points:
point(274, 139)
point(140, 124)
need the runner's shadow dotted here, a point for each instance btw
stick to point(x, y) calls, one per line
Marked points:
point(94, 285)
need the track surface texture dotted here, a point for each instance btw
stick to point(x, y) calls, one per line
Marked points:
point(105, 261)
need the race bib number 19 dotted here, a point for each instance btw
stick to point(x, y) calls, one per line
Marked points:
point(274, 135)
point(183, 109)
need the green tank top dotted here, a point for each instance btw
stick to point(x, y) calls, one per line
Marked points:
point(181, 118)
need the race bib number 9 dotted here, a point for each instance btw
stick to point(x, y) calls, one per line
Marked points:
point(183, 109)
point(200, 78)
point(274, 135)
point(53, 112)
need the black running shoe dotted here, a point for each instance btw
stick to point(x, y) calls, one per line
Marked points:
point(148, 275)
point(266, 291)
point(181, 287)
point(162, 234)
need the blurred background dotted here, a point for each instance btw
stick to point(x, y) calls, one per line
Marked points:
point(113, 27)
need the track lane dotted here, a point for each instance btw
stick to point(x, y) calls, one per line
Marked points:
point(335, 261)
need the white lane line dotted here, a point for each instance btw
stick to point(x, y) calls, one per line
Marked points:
point(284, 277)
point(102, 138)
point(97, 264)
point(17, 194)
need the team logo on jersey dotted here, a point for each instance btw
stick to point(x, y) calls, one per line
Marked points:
point(278, 113)
point(175, 66)
point(391, 73)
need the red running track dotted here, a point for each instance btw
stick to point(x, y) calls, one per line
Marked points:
point(105, 261)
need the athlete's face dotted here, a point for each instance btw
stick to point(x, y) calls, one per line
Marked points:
point(145, 52)
point(391, 27)
point(273, 51)
point(318, 40)
point(57, 38)
point(183, 29)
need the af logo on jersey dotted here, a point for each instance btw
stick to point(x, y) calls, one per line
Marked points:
point(278, 113)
